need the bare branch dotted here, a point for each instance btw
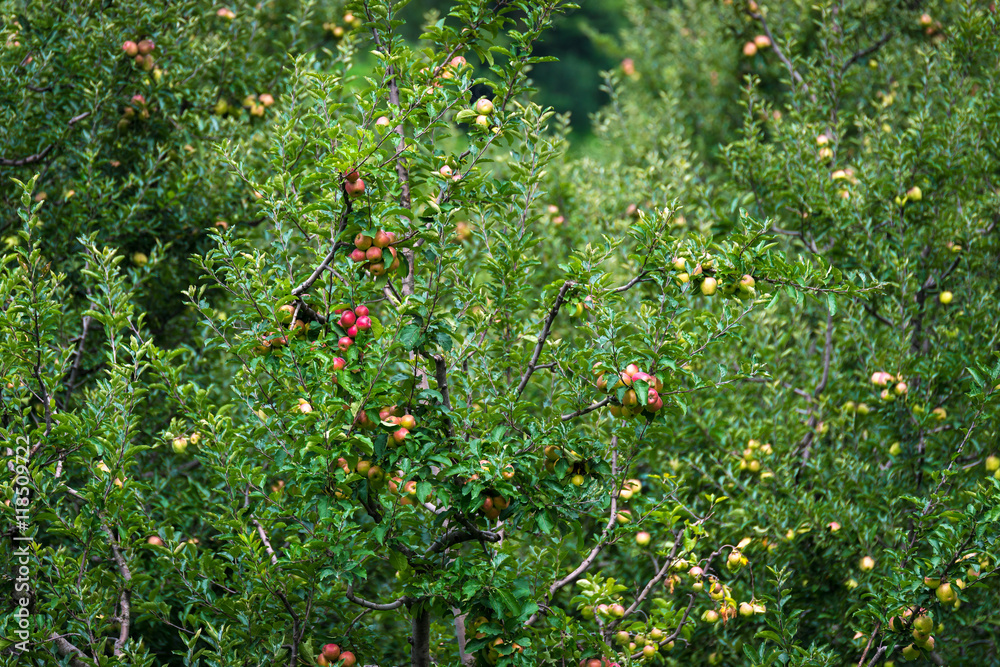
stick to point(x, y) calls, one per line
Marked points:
point(396, 604)
point(454, 537)
point(586, 410)
point(560, 298)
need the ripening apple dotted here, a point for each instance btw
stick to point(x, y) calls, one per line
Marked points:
point(900, 388)
point(616, 610)
point(710, 616)
point(155, 541)
point(749, 49)
point(484, 107)
point(867, 564)
point(649, 650)
point(642, 538)
point(347, 659)
point(992, 463)
point(344, 343)
point(746, 609)
point(146, 46)
point(946, 594)
point(946, 297)
point(399, 437)
point(355, 188)
point(923, 624)
point(762, 41)
point(331, 652)
point(623, 638)
point(709, 286)
point(130, 48)
point(362, 242)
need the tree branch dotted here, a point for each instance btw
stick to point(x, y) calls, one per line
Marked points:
point(858, 55)
point(31, 159)
point(78, 659)
point(542, 336)
point(396, 604)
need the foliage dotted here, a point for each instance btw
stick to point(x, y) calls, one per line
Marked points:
point(221, 461)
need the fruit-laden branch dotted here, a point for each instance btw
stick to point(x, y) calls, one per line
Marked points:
point(677, 631)
point(396, 604)
point(31, 159)
point(601, 543)
point(657, 578)
point(78, 659)
point(560, 298)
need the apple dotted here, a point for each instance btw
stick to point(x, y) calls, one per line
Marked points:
point(266, 99)
point(130, 48)
point(482, 120)
point(926, 20)
point(339, 363)
point(355, 188)
point(358, 255)
point(155, 541)
point(616, 610)
point(992, 463)
point(352, 176)
point(946, 297)
point(709, 286)
point(710, 616)
point(376, 477)
point(867, 564)
point(623, 638)
point(746, 609)
point(484, 107)
point(347, 319)
point(624, 516)
point(679, 263)
point(362, 242)
point(400, 436)
point(914, 194)
point(140, 259)
point(946, 594)
point(382, 240)
point(347, 659)
point(911, 652)
point(304, 406)
point(642, 538)
point(649, 650)
point(180, 445)
point(408, 422)
point(900, 388)
point(762, 41)
point(146, 46)
point(749, 49)
point(344, 343)
point(364, 323)
point(445, 171)
point(923, 624)
point(362, 311)
point(577, 480)
point(331, 652)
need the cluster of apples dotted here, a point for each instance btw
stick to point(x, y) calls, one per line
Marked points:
point(354, 186)
point(750, 459)
point(758, 43)
point(597, 662)
point(631, 404)
point(492, 650)
point(135, 110)
point(181, 442)
point(579, 469)
point(141, 52)
point(744, 288)
point(648, 643)
point(354, 322)
point(272, 340)
point(922, 625)
point(337, 30)
point(331, 654)
point(256, 104)
point(483, 109)
point(373, 251)
point(398, 421)
point(898, 385)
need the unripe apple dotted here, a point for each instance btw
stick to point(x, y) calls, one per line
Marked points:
point(623, 638)
point(867, 564)
point(746, 609)
point(140, 259)
point(749, 49)
point(642, 538)
point(682, 278)
point(709, 286)
point(923, 624)
point(484, 106)
point(376, 477)
point(624, 516)
point(679, 263)
point(180, 445)
point(146, 46)
point(717, 591)
point(946, 594)
point(358, 255)
point(946, 297)
point(344, 343)
point(362, 242)
point(577, 480)
point(939, 413)
point(895, 449)
point(710, 616)
point(649, 650)
point(911, 652)
point(762, 41)
point(914, 194)
point(630, 399)
point(616, 610)
point(992, 463)
point(900, 388)
point(759, 608)
point(304, 406)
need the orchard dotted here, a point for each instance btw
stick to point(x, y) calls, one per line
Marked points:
point(326, 345)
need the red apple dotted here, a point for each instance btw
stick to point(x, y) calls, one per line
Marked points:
point(344, 343)
point(362, 242)
point(358, 255)
point(361, 311)
point(364, 323)
point(354, 188)
point(381, 240)
point(347, 659)
point(408, 422)
point(373, 254)
point(146, 46)
point(400, 436)
point(377, 269)
point(352, 331)
point(130, 48)
point(331, 652)
point(352, 176)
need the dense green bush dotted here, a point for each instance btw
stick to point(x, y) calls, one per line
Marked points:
point(390, 416)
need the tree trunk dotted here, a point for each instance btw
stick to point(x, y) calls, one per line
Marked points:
point(420, 652)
